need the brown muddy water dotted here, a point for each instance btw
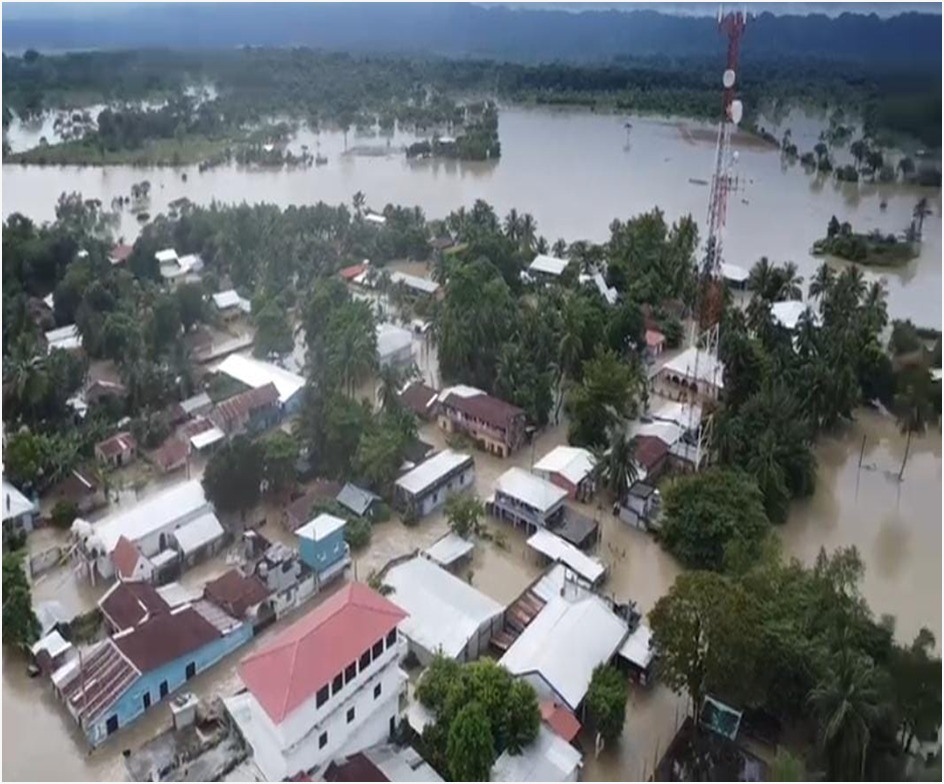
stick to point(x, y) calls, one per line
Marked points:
point(549, 157)
point(574, 171)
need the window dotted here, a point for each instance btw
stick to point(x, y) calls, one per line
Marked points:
point(322, 697)
point(365, 660)
point(349, 673)
point(377, 649)
point(146, 700)
point(112, 724)
point(164, 689)
point(337, 683)
point(191, 670)
point(323, 740)
point(350, 715)
point(377, 691)
point(391, 638)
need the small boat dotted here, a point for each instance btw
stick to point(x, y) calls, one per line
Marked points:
point(321, 160)
point(696, 181)
point(883, 205)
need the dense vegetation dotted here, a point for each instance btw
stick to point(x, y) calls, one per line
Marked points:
point(801, 645)
point(872, 249)
point(373, 94)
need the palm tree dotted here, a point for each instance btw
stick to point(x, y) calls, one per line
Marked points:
point(529, 229)
point(822, 281)
point(791, 283)
point(570, 349)
point(559, 248)
point(847, 704)
point(915, 407)
point(616, 464)
point(388, 387)
point(760, 278)
point(513, 225)
point(859, 149)
point(359, 200)
point(541, 245)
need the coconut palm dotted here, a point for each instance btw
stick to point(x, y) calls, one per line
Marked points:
point(541, 245)
point(616, 463)
point(559, 248)
point(528, 231)
point(760, 278)
point(915, 408)
point(791, 282)
point(570, 349)
point(822, 281)
point(513, 225)
point(358, 201)
point(847, 703)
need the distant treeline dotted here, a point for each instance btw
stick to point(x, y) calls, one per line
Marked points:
point(348, 90)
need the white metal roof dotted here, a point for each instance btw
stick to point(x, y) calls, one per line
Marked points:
point(936, 374)
point(548, 758)
point(255, 373)
point(199, 532)
point(176, 594)
point(53, 643)
point(166, 256)
point(49, 301)
point(14, 502)
point(226, 299)
point(572, 462)
point(66, 338)
point(323, 525)
point(392, 339)
point(192, 262)
point(401, 764)
point(375, 218)
point(443, 611)
point(709, 369)
point(530, 489)
point(65, 673)
point(425, 285)
point(163, 557)
point(431, 471)
point(449, 549)
point(154, 514)
point(787, 314)
point(191, 404)
point(733, 272)
point(206, 438)
point(557, 549)
point(636, 649)
point(549, 265)
point(565, 642)
point(607, 292)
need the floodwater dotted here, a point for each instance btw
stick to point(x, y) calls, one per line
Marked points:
point(574, 171)
point(550, 158)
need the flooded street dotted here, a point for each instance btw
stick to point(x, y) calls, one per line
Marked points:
point(574, 171)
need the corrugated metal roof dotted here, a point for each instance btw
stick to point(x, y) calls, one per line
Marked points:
point(427, 473)
point(707, 369)
point(637, 648)
point(198, 533)
point(424, 285)
point(449, 549)
point(572, 462)
point(14, 502)
point(356, 499)
point(255, 373)
point(548, 758)
point(226, 299)
point(530, 489)
point(392, 339)
point(322, 526)
point(65, 338)
point(443, 611)
point(549, 265)
point(565, 642)
point(557, 549)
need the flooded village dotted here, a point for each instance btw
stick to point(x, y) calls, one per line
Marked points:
point(313, 631)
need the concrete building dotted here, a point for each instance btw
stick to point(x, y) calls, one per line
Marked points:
point(116, 681)
point(788, 314)
point(130, 564)
point(571, 468)
point(394, 346)
point(322, 547)
point(417, 285)
point(255, 373)
point(735, 276)
point(444, 614)
point(420, 399)
point(148, 525)
point(527, 500)
point(695, 374)
point(496, 427)
point(384, 762)
point(426, 487)
point(329, 686)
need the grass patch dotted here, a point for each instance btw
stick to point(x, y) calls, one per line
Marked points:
point(156, 152)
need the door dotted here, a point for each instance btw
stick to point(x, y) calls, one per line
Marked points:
point(146, 700)
point(191, 670)
point(164, 689)
point(112, 724)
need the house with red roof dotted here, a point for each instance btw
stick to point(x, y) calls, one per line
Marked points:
point(117, 450)
point(130, 563)
point(328, 686)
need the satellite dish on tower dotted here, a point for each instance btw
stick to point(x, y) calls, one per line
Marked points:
point(737, 112)
point(728, 79)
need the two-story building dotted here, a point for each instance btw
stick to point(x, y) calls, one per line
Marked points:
point(495, 426)
point(426, 487)
point(322, 547)
point(527, 500)
point(249, 412)
point(572, 468)
point(327, 687)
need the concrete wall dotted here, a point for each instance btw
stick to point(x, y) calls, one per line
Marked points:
point(437, 498)
point(130, 705)
point(318, 556)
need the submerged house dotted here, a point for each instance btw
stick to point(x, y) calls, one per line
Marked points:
point(114, 682)
point(322, 547)
point(495, 426)
point(571, 468)
point(426, 487)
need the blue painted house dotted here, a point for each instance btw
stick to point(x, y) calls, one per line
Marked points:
point(322, 546)
point(120, 679)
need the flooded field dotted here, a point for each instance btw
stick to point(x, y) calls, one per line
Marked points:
point(574, 171)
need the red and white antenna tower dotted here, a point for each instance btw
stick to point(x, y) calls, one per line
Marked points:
point(722, 181)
